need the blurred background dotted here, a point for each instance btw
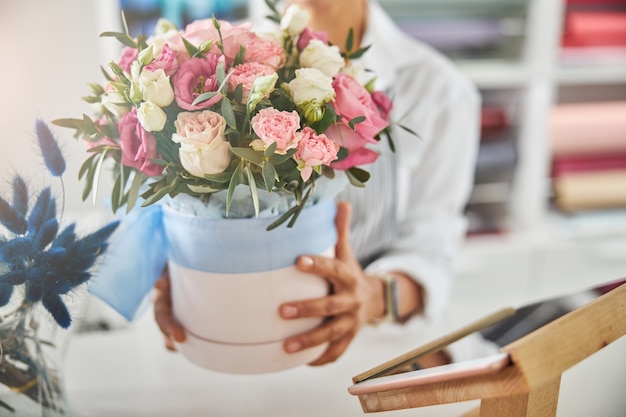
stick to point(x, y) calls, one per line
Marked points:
point(548, 209)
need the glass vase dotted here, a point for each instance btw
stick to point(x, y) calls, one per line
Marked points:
point(31, 383)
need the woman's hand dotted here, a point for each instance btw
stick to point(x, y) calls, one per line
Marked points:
point(355, 298)
point(163, 313)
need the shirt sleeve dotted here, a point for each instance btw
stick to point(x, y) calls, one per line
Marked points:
point(435, 178)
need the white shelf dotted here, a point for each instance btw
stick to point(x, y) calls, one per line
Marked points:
point(494, 73)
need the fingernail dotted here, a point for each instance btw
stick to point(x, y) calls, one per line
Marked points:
point(306, 261)
point(293, 346)
point(289, 311)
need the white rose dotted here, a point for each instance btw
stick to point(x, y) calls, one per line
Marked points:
point(325, 58)
point(295, 20)
point(203, 146)
point(151, 116)
point(164, 31)
point(311, 85)
point(156, 87)
point(201, 159)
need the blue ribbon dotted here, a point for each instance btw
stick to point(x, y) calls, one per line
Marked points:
point(148, 237)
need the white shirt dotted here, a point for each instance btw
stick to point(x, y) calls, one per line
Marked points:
point(409, 216)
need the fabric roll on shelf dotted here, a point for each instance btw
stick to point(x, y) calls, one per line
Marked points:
point(496, 160)
point(588, 128)
point(590, 190)
point(564, 165)
point(594, 28)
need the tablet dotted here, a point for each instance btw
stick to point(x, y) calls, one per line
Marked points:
point(497, 330)
point(465, 369)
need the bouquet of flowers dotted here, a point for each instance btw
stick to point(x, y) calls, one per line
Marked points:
point(203, 110)
point(38, 265)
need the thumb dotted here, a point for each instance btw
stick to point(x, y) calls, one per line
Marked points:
point(343, 249)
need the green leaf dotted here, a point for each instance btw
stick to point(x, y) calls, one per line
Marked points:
point(204, 97)
point(350, 40)
point(327, 120)
point(220, 178)
point(254, 192)
point(133, 192)
point(256, 157)
point(241, 55)
point(269, 151)
point(238, 95)
point(357, 176)
point(96, 177)
point(124, 38)
point(191, 48)
point(359, 53)
point(356, 121)
point(169, 187)
point(409, 130)
point(278, 159)
point(234, 181)
point(269, 176)
point(228, 113)
point(282, 219)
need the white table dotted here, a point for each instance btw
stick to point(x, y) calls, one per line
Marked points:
point(128, 372)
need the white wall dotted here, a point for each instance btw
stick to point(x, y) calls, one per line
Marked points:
point(50, 51)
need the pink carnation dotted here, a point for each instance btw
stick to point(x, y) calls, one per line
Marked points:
point(314, 150)
point(273, 126)
point(194, 77)
point(138, 146)
point(266, 52)
point(246, 74)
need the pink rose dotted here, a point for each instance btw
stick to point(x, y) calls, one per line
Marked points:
point(352, 100)
point(246, 74)
point(266, 52)
point(273, 126)
point(127, 57)
point(138, 146)
point(233, 36)
point(383, 103)
point(314, 150)
point(165, 61)
point(203, 145)
point(194, 77)
point(358, 154)
point(308, 35)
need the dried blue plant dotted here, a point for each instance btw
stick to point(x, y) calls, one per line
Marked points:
point(35, 255)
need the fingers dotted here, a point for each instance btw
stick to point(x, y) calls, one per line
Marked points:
point(338, 332)
point(331, 305)
point(164, 316)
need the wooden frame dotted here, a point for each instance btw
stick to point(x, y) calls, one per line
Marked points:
point(530, 386)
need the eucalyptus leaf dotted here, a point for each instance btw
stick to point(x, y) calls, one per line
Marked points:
point(124, 38)
point(269, 176)
point(256, 157)
point(133, 192)
point(234, 181)
point(228, 114)
point(254, 192)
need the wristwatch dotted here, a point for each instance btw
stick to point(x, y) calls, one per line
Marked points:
point(390, 293)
